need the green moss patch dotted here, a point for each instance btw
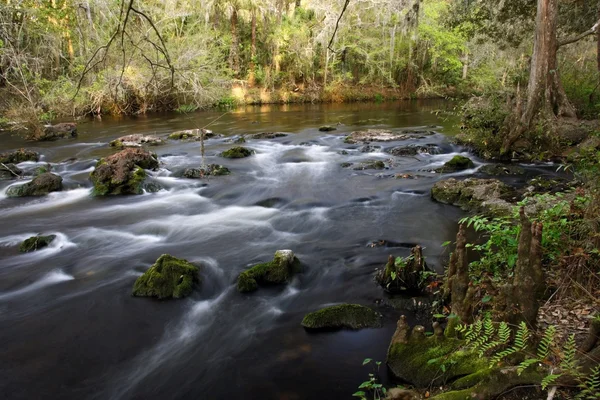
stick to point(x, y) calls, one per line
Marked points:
point(35, 243)
point(237, 152)
point(457, 163)
point(169, 277)
point(278, 271)
point(351, 316)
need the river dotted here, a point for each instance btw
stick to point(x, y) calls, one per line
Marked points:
point(70, 328)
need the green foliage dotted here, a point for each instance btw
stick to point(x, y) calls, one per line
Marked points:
point(371, 388)
point(186, 108)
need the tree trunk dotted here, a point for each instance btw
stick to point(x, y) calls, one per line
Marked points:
point(298, 3)
point(465, 66)
point(546, 97)
point(598, 42)
point(234, 59)
point(252, 51)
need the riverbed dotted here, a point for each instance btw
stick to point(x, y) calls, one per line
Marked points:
point(70, 328)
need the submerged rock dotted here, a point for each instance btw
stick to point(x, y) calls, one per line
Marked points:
point(280, 270)
point(123, 172)
point(268, 135)
point(35, 243)
point(210, 170)
point(457, 163)
point(136, 140)
point(194, 134)
point(474, 194)
point(237, 152)
point(369, 149)
point(413, 150)
point(40, 185)
point(372, 164)
point(382, 135)
point(351, 316)
point(9, 171)
point(168, 277)
point(55, 132)
point(501, 169)
point(19, 156)
point(327, 128)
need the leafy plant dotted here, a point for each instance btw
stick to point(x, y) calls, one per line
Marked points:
point(371, 388)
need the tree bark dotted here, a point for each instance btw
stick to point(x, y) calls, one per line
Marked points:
point(252, 64)
point(546, 97)
point(234, 59)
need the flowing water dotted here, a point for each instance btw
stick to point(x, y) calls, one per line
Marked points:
point(70, 329)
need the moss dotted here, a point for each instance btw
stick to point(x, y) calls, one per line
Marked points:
point(352, 316)
point(237, 152)
point(169, 277)
point(136, 181)
point(327, 128)
point(19, 156)
point(240, 140)
point(210, 170)
point(457, 163)
point(346, 164)
point(278, 271)
point(117, 144)
point(370, 165)
point(41, 185)
point(35, 243)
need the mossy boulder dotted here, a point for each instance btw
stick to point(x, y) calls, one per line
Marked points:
point(136, 140)
point(327, 128)
point(278, 271)
point(413, 150)
point(19, 156)
point(237, 152)
point(168, 277)
point(123, 172)
point(501, 169)
point(209, 170)
point(55, 132)
point(193, 134)
point(474, 194)
point(457, 163)
point(268, 135)
point(9, 171)
point(372, 164)
point(35, 243)
point(350, 316)
point(40, 185)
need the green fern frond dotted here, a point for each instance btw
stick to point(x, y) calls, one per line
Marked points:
point(570, 350)
point(549, 380)
point(546, 342)
point(526, 364)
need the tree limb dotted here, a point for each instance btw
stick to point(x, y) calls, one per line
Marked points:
point(577, 38)
point(337, 24)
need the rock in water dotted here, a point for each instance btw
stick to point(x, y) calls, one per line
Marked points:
point(19, 156)
point(210, 170)
point(168, 277)
point(268, 135)
point(474, 194)
point(327, 128)
point(9, 171)
point(371, 164)
point(351, 316)
point(457, 163)
point(39, 186)
point(123, 172)
point(501, 169)
point(35, 243)
point(237, 152)
point(54, 132)
point(193, 134)
point(136, 140)
point(280, 270)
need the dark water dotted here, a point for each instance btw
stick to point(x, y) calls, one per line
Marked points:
point(70, 329)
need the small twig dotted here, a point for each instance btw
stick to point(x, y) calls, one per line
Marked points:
point(10, 170)
point(337, 24)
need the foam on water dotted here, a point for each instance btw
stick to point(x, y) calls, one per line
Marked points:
point(53, 277)
point(44, 203)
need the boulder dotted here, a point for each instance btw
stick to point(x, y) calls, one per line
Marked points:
point(278, 271)
point(19, 156)
point(474, 194)
point(9, 171)
point(123, 172)
point(372, 164)
point(168, 277)
point(35, 243)
point(350, 316)
point(237, 152)
point(367, 148)
point(457, 163)
point(268, 135)
point(55, 132)
point(501, 169)
point(40, 185)
point(209, 170)
point(413, 150)
point(136, 140)
point(327, 128)
point(193, 134)
point(401, 394)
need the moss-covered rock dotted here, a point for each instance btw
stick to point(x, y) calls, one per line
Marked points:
point(40, 185)
point(372, 164)
point(209, 170)
point(413, 150)
point(55, 132)
point(501, 169)
point(9, 171)
point(237, 152)
point(35, 243)
point(457, 163)
point(351, 316)
point(192, 134)
point(474, 194)
point(136, 140)
point(168, 277)
point(327, 128)
point(268, 135)
point(123, 172)
point(19, 156)
point(278, 271)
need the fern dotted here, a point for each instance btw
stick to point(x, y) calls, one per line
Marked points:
point(590, 387)
point(519, 344)
point(526, 364)
point(568, 360)
point(546, 343)
point(549, 380)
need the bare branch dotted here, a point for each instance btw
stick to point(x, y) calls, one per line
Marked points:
point(577, 38)
point(337, 24)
